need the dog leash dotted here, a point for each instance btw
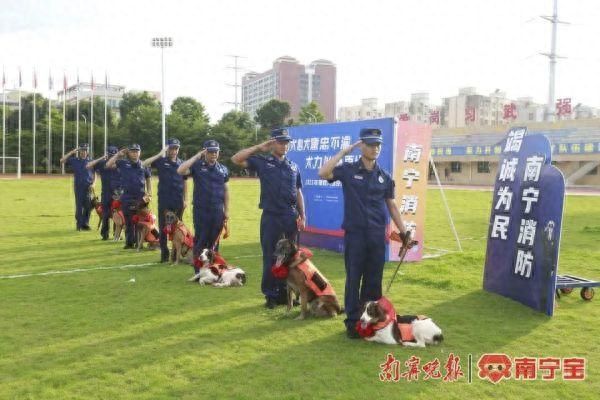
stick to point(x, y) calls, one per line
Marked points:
point(402, 253)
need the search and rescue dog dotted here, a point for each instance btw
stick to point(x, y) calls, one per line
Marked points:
point(180, 236)
point(317, 296)
point(379, 323)
point(214, 270)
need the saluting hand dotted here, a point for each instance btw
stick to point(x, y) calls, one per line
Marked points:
point(351, 148)
point(123, 152)
point(163, 152)
point(201, 154)
point(266, 146)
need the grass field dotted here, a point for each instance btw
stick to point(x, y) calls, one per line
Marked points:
point(95, 335)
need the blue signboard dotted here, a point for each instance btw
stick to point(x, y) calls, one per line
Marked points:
point(310, 148)
point(525, 223)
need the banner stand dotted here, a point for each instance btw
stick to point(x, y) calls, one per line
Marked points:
point(437, 178)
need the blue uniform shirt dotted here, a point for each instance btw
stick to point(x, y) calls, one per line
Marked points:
point(133, 179)
point(83, 176)
point(170, 183)
point(365, 193)
point(209, 185)
point(111, 179)
point(279, 183)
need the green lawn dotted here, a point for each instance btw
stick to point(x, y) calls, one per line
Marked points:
point(95, 335)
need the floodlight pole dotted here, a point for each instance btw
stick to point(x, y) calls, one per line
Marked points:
point(162, 42)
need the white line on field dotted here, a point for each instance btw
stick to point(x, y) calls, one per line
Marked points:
point(72, 271)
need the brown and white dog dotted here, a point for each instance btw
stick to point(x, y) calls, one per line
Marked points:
point(317, 296)
point(180, 236)
point(380, 323)
point(214, 270)
point(117, 215)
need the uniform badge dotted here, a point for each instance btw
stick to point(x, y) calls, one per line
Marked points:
point(380, 179)
point(358, 177)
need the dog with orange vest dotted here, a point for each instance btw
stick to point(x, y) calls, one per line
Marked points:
point(380, 323)
point(317, 296)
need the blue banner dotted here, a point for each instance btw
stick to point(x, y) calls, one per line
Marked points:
point(310, 148)
point(525, 223)
point(488, 150)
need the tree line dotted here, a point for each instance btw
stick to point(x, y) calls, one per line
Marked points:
point(138, 120)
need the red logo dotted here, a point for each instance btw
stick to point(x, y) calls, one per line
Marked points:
point(494, 367)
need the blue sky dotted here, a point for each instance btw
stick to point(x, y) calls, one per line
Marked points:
point(384, 49)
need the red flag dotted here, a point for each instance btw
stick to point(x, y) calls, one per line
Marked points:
point(20, 80)
point(470, 114)
point(404, 117)
point(434, 117)
point(34, 79)
point(65, 82)
point(3, 79)
point(92, 82)
point(105, 81)
point(563, 106)
point(510, 111)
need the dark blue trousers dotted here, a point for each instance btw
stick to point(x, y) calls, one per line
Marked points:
point(364, 256)
point(207, 227)
point(272, 228)
point(82, 206)
point(163, 207)
point(129, 207)
point(105, 228)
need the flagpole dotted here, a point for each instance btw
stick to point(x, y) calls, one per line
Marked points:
point(34, 90)
point(105, 112)
point(77, 115)
point(92, 121)
point(64, 120)
point(3, 122)
point(19, 145)
point(49, 144)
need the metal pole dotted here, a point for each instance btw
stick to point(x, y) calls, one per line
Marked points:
point(49, 152)
point(3, 121)
point(77, 115)
point(105, 112)
point(552, 57)
point(162, 70)
point(33, 162)
point(64, 124)
point(437, 178)
point(19, 146)
point(92, 123)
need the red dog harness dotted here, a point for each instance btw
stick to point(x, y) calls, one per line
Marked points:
point(218, 266)
point(406, 328)
point(315, 281)
point(148, 220)
point(188, 238)
point(115, 205)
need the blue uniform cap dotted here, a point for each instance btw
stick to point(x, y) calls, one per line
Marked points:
point(173, 142)
point(84, 146)
point(281, 135)
point(371, 135)
point(112, 150)
point(135, 146)
point(211, 145)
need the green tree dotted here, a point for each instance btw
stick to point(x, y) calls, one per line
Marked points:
point(272, 114)
point(235, 130)
point(310, 114)
point(131, 101)
point(189, 123)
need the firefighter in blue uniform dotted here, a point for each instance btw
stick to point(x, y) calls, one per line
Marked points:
point(172, 189)
point(368, 198)
point(136, 184)
point(281, 201)
point(211, 195)
point(83, 180)
point(111, 183)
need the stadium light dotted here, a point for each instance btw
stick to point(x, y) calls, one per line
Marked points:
point(162, 42)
